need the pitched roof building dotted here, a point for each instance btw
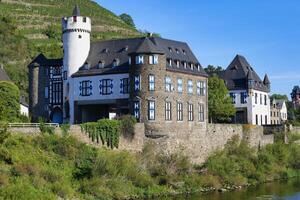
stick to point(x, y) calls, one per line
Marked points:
point(249, 93)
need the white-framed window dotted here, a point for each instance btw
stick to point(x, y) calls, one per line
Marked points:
point(201, 112)
point(137, 83)
point(168, 84)
point(179, 85)
point(184, 65)
point(179, 111)
point(153, 59)
point(129, 60)
point(151, 79)
point(106, 86)
point(151, 110)
point(168, 111)
point(232, 96)
point(244, 96)
point(201, 88)
point(139, 59)
point(136, 109)
point(192, 66)
point(124, 85)
point(190, 87)
point(85, 88)
point(190, 112)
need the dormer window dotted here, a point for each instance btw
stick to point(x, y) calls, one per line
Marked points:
point(177, 63)
point(129, 60)
point(126, 48)
point(184, 64)
point(177, 51)
point(86, 66)
point(139, 60)
point(153, 59)
point(198, 67)
point(169, 61)
point(100, 65)
point(116, 62)
point(105, 50)
point(170, 50)
point(183, 51)
point(192, 66)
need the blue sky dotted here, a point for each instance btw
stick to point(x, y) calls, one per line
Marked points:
point(266, 32)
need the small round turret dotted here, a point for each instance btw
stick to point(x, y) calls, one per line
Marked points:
point(76, 41)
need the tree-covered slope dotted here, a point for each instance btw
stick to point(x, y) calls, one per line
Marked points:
point(28, 27)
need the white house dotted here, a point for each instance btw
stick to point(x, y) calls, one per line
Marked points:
point(250, 95)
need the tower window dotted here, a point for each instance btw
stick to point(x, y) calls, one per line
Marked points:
point(139, 60)
point(84, 19)
point(79, 36)
point(151, 110)
point(153, 59)
point(201, 88)
point(137, 83)
point(136, 109)
point(179, 85)
point(151, 82)
point(74, 18)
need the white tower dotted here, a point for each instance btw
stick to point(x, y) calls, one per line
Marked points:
point(76, 44)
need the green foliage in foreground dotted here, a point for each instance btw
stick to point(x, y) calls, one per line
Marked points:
point(51, 166)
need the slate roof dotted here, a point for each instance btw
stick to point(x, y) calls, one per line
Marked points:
point(279, 103)
point(107, 52)
point(3, 75)
point(23, 101)
point(41, 60)
point(76, 11)
point(238, 73)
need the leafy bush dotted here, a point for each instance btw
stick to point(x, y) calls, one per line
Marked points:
point(9, 102)
point(65, 128)
point(46, 129)
point(105, 130)
point(127, 123)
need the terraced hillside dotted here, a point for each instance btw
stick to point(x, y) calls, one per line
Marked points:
point(28, 27)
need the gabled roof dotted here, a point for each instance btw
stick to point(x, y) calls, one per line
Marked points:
point(239, 72)
point(41, 60)
point(147, 46)
point(279, 103)
point(107, 51)
point(76, 11)
point(3, 75)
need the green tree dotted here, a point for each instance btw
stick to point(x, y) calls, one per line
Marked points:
point(220, 107)
point(280, 96)
point(212, 70)
point(127, 19)
point(9, 102)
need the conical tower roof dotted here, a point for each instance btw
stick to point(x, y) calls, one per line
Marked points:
point(76, 11)
point(266, 80)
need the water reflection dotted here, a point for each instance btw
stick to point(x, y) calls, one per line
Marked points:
point(283, 190)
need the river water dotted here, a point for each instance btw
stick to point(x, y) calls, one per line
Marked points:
point(283, 190)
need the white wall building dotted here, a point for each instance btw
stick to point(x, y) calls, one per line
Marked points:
point(250, 95)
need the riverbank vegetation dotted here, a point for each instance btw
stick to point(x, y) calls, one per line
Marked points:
point(50, 166)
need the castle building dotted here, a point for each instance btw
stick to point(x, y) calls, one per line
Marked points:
point(295, 95)
point(250, 95)
point(157, 80)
